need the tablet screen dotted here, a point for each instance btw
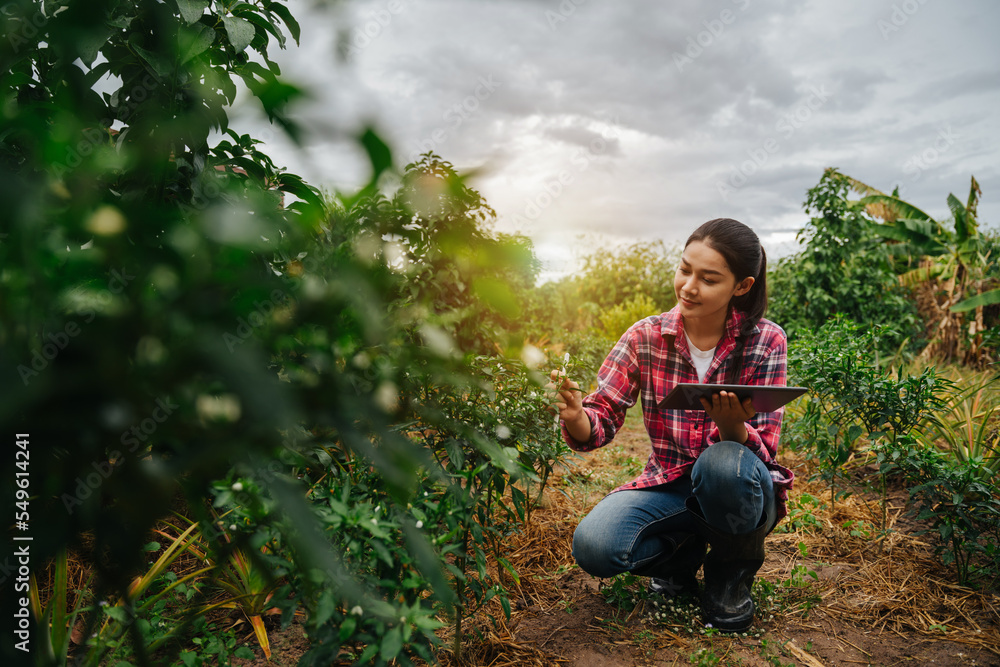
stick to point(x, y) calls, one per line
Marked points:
point(685, 396)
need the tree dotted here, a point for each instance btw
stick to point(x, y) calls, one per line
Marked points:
point(952, 261)
point(842, 268)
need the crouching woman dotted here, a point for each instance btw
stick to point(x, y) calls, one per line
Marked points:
point(711, 483)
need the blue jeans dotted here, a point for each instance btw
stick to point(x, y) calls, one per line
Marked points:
point(637, 531)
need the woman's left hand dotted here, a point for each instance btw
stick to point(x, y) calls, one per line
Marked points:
point(729, 414)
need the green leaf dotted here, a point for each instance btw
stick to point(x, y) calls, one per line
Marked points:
point(286, 16)
point(160, 66)
point(964, 227)
point(194, 43)
point(901, 208)
point(367, 654)
point(152, 546)
point(192, 10)
point(90, 43)
point(378, 153)
point(263, 22)
point(118, 613)
point(347, 628)
point(241, 32)
point(294, 185)
point(392, 644)
point(983, 299)
point(244, 653)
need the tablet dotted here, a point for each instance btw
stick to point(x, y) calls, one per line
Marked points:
point(765, 398)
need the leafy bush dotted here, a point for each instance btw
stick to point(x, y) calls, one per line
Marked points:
point(962, 501)
point(617, 319)
point(852, 396)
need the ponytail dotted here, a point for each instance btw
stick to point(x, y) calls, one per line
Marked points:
point(754, 304)
point(745, 256)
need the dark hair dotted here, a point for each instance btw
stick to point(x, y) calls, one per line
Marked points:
point(745, 257)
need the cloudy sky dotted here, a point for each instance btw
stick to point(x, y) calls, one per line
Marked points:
point(627, 120)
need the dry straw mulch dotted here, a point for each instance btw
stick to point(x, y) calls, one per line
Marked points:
point(893, 586)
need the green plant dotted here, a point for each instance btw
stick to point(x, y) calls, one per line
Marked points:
point(861, 529)
point(962, 502)
point(800, 515)
point(827, 361)
point(704, 657)
point(55, 618)
point(966, 426)
point(772, 651)
point(623, 591)
point(856, 396)
point(843, 268)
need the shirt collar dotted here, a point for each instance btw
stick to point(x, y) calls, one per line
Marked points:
point(673, 324)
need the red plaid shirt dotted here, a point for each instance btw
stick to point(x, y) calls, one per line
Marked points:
point(649, 359)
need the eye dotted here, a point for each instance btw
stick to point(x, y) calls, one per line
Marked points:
point(709, 282)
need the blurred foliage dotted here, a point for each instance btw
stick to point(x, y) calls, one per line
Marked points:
point(617, 319)
point(608, 278)
point(186, 326)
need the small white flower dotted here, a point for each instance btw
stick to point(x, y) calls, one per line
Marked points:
point(356, 610)
point(420, 524)
point(402, 619)
point(232, 526)
point(374, 522)
point(102, 603)
point(425, 494)
point(502, 431)
point(237, 486)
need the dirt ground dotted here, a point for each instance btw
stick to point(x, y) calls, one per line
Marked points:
point(842, 598)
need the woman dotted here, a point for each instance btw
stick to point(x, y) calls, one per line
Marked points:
point(711, 477)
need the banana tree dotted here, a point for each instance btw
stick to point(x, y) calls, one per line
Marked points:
point(950, 259)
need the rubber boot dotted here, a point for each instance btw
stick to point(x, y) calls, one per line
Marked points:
point(676, 577)
point(730, 568)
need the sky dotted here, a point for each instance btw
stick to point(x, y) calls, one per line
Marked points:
point(593, 124)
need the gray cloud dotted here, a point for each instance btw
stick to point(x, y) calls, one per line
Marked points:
point(687, 99)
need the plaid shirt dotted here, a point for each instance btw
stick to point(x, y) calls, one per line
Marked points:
point(653, 356)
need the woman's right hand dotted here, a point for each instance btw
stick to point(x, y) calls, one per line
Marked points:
point(565, 396)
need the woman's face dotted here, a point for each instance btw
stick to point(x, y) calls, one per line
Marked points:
point(704, 284)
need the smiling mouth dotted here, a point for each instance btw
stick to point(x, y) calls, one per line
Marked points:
point(689, 302)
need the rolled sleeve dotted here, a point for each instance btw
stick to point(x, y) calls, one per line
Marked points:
point(617, 391)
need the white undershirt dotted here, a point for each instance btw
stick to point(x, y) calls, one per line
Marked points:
point(702, 358)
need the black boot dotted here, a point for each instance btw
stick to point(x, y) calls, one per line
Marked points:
point(676, 577)
point(730, 567)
